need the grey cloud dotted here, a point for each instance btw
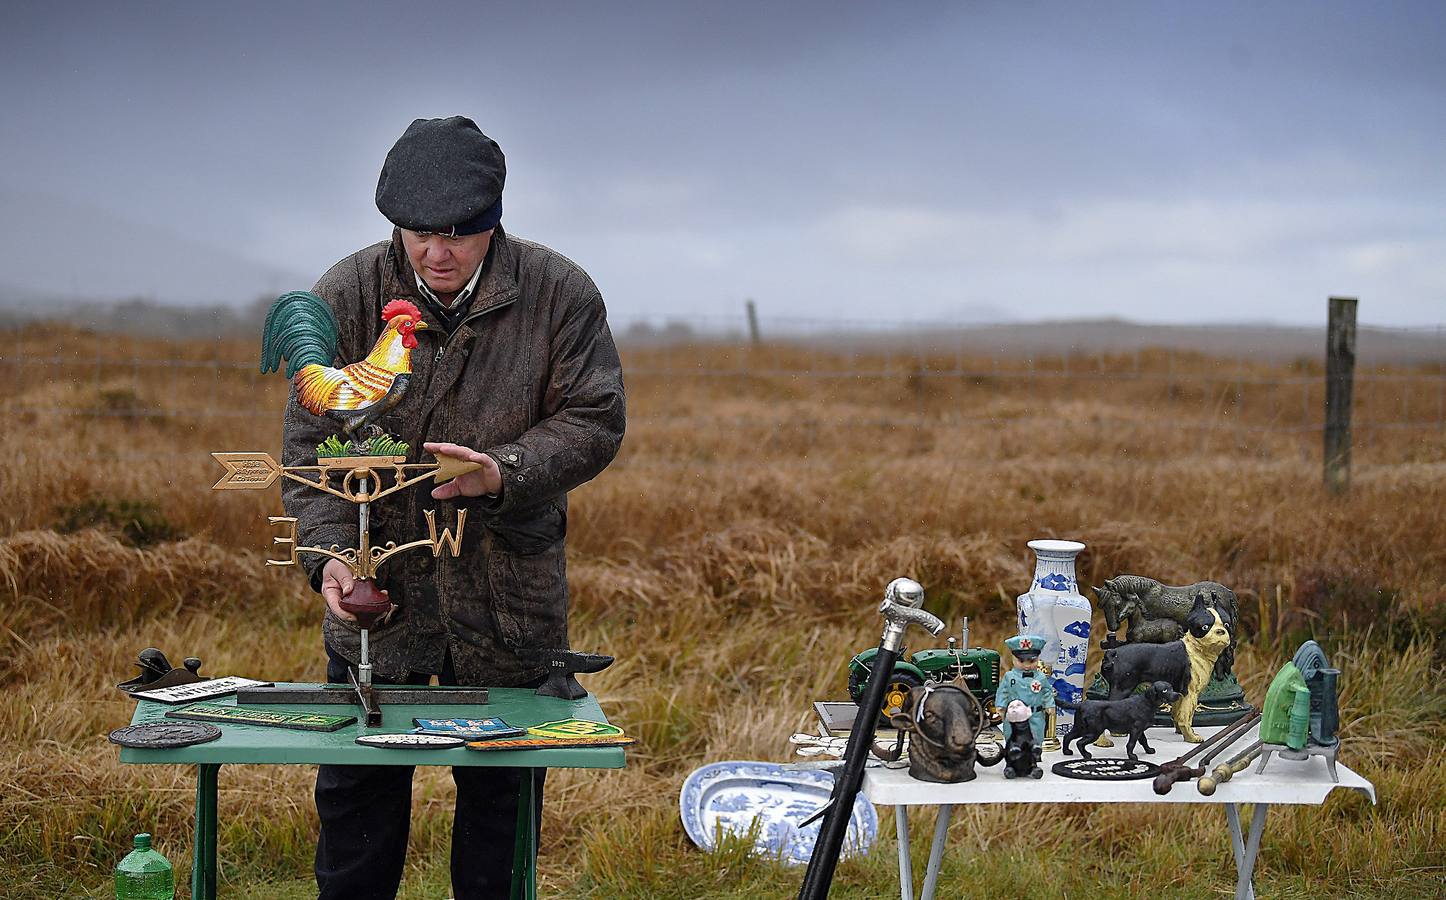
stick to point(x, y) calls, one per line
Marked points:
point(1089, 159)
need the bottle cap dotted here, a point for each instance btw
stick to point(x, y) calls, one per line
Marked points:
point(143, 842)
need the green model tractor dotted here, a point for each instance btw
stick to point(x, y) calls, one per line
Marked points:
point(976, 667)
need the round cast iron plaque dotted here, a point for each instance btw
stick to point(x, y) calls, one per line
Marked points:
point(163, 735)
point(1105, 769)
point(410, 741)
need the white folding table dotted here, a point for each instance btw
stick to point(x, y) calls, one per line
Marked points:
point(1284, 782)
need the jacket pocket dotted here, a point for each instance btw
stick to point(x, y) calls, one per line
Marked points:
point(529, 596)
point(530, 531)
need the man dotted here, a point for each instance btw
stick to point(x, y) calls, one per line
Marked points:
point(516, 371)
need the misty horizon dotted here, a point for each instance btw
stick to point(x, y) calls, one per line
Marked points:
point(1156, 163)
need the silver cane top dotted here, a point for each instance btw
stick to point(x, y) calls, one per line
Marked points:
point(900, 609)
point(905, 592)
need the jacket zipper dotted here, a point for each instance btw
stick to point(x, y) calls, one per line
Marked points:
point(470, 317)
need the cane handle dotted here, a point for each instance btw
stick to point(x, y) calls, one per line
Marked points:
point(904, 615)
point(1225, 771)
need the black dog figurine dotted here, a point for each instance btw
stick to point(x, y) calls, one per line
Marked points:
point(1021, 753)
point(1134, 714)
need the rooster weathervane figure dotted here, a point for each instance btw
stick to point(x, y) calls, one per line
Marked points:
point(301, 329)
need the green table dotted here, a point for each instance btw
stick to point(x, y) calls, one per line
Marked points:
point(254, 744)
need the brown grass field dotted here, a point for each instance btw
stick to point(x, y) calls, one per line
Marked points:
point(732, 558)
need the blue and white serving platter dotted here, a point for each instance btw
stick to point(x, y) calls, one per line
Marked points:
point(726, 797)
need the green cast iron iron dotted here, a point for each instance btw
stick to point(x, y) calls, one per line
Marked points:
point(1300, 707)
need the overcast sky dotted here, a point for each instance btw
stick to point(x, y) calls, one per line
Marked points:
point(1162, 162)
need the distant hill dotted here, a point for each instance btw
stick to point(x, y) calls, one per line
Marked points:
point(134, 316)
point(53, 250)
point(1084, 337)
point(1090, 336)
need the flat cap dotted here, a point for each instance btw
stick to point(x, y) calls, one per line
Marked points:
point(443, 175)
point(1025, 646)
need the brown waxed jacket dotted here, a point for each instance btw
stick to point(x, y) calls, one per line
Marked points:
point(531, 377)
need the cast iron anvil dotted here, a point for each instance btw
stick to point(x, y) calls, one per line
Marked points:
point(562, 665)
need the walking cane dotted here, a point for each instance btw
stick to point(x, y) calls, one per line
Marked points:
point(902, 599)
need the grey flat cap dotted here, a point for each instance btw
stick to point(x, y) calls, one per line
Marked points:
point(443, 175)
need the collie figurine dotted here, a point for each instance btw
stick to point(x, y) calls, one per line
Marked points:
point(1186, 664)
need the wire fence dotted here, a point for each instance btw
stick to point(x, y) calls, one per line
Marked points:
point(829, 374)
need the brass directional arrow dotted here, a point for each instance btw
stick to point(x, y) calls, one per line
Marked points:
point(246, 471)
point(257, 471)
point(449, 467)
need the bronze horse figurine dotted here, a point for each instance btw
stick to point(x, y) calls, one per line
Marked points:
point(1156, 612)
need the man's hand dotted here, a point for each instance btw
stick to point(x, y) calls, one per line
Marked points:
point(336, 582)
point(486, 480)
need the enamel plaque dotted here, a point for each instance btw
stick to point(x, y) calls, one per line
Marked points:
point(575, 728)
point(410, 741)
point(470, 729)
point(240, 715)
point(198, 690)
point(550, 743)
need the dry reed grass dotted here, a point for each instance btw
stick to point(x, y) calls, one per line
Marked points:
point(731, 559)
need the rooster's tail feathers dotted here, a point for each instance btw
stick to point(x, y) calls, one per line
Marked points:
point(301, 329)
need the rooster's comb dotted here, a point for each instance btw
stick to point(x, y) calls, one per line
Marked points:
point(396, 308)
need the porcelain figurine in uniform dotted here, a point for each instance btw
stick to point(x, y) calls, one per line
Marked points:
point(1054, 609)
point(1026, 683)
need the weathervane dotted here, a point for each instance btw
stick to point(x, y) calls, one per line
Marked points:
point(366, 467)
point(257, 471)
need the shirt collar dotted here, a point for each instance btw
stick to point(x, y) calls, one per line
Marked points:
point(462, 296)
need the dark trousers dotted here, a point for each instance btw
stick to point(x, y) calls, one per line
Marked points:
point(366, 816)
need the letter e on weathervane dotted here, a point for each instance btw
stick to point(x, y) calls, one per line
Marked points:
point(286, 540)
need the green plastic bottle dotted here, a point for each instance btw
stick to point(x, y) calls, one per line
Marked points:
point(144, 874)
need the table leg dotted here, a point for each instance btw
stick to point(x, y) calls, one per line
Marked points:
point(1245, 862)
point(936, 852)
point(1237, 841)
point(524, 845)
point(906, 867)
point(203, 858)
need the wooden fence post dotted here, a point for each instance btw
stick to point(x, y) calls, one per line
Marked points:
point(753, 335)
point(1340, 374)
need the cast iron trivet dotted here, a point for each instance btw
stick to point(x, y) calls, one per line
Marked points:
point(1105, 769)
point(162, 735)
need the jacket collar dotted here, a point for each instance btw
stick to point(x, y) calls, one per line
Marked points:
point(497, 285)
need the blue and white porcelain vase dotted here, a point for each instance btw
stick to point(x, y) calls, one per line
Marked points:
point(1053, 607)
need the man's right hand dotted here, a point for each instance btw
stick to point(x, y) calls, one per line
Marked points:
point(337, 582)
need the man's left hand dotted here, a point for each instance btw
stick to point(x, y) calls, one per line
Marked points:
point(484, 481)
